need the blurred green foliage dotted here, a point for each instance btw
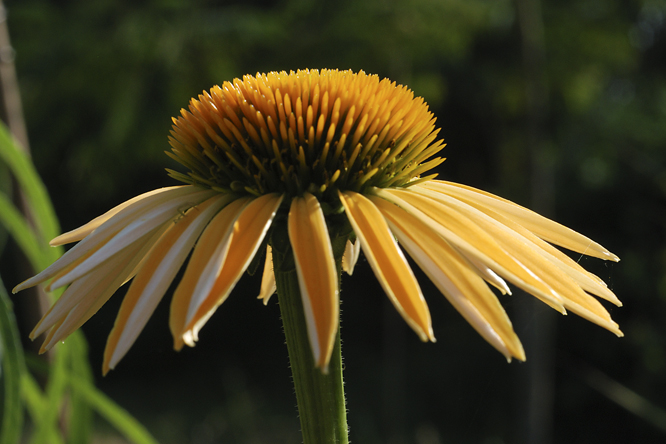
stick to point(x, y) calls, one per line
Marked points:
point(101, 79)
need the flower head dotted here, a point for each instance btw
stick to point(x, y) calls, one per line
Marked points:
point(301, 162)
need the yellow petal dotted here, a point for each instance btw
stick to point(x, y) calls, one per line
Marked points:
point(268, 287)
point(155, 277)
point(350, 257)
point(317, 275)
point(584, 278)
point(388, 262)
point(543, 227)
point(472, 241)
point(528, 254)
point(455, 277)
point(490, 276)
point(247, 234)
point(207, 257)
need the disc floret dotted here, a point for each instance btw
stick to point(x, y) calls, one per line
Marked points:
point(305, 131)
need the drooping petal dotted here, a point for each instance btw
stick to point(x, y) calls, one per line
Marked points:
point(204, 265)
point(130, 224)
point(108, 278)
point(90, 285)
point(472, 241)
point(455, 277)
point(130, 233)
point(137, 204)
point(490, 276)
point(543, 227)
point(350, 257)
point(529, 254)
point(584, 278)
point(388, 262)
point(268, 286)
point(317, 275)
point(155, 276)
point(248, 232)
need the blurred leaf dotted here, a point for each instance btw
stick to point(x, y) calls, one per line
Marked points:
point(115, 415)
point(13, 366)
point(38, 198)
point(14, 222)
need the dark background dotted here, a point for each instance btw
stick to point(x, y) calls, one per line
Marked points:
point(557, 105)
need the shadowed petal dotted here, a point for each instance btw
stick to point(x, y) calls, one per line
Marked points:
point(317, 275)
point(134, 205)
point(130, 233)
point(455, 277)
point(92, 296)
point(204, 265)
point(388, 262)
point(116, 233)
point(155, 276)
point(247, 234)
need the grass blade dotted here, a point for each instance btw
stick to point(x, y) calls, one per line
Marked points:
point(13, 366)
point(127, 425)
point(38, 199)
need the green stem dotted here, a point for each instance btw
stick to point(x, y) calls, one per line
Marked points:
point(320, 397)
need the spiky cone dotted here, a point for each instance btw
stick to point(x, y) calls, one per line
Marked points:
point(304, 163)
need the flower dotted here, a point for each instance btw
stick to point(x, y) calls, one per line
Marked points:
point(300, 161)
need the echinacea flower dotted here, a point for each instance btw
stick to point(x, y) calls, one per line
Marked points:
point(302, 162)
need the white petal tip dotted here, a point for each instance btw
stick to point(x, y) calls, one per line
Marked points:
point(611, 257)
point(20, 287)
point(190, 338)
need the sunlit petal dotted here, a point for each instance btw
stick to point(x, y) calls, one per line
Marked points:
point(490, 276)
point(350, 257)
point(268, 287)
point(388, 262)
point(527, 253)
point(317, 274)
point(455, 278)
point(543, 227)
point(471, 240)
point(585, 279)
